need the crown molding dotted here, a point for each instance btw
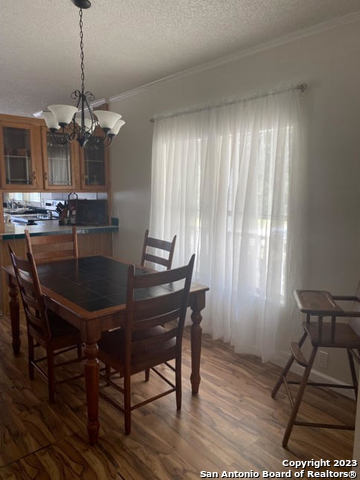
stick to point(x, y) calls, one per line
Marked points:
point(291, 37)
point(98, 102)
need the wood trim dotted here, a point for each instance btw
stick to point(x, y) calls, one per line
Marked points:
point(18, 119)
point(75, 152)
point(36, 157)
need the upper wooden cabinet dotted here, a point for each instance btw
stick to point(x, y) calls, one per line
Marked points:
point(20, 156)
point(32, 159)
point(60, 162)
point(94, 166)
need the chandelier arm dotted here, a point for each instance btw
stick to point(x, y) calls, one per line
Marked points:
point(76, 95)
point(89, 96)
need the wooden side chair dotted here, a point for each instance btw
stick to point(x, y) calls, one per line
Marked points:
point(161, 245)
point(152, 335)
point(52, 247)
point(322, 334)
point(46, 328)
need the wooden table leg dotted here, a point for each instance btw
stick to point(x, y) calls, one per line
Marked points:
point(14, 314)
point(92, 391)
point(197, 303)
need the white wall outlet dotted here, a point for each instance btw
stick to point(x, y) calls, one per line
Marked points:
point(323, 360)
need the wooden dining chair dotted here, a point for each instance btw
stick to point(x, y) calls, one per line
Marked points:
point(152, 242)
point(44, 327)
point(49, 247)
point(152, 334)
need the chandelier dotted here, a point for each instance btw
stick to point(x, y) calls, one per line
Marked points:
point(79, 121)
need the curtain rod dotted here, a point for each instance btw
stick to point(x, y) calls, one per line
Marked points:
point(301, 86)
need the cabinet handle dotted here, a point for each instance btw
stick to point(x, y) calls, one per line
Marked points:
point(45, 176)
point(34, 176)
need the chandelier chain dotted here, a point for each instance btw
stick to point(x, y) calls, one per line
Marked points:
point(82, 51)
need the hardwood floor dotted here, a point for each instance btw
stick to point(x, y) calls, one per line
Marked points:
point(233, 424)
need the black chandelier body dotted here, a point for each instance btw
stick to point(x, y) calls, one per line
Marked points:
point(79, 122)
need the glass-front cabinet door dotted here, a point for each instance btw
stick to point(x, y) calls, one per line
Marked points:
point(20, 149)
point(94, 165)
point(59, 162)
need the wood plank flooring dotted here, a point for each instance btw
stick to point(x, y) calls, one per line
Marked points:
point(233, 424)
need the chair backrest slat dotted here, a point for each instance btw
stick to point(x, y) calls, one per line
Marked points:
point(31, 295)
point(48, 247)
point(158, 306)
point(54, 254)
point(158, 244)
point(167, 310)
point(160, 278)
point(155, 259)
point(142, 324)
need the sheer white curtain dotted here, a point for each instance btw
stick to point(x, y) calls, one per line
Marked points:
point(229, 182)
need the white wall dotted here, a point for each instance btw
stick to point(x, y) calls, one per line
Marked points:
point(330, 63)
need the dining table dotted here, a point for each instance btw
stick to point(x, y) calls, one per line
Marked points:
point(90, 294)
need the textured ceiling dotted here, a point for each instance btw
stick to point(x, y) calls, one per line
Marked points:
point(132, 42)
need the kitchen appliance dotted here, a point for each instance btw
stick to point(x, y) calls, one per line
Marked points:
point(92, 212)
point(84, 212)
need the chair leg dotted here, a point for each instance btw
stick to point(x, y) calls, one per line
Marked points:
point(51, 375)
point(353, 372)
point(178, 383)
point(127, 403)
point(31, 356)
point(79, 351)
point(147, 374)
point(299, 397)
point(287, 368)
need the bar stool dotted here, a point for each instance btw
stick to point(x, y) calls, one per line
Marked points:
point(326, 334)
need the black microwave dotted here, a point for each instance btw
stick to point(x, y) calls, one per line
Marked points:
point(91, 212)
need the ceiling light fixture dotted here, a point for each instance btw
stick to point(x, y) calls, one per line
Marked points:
point(80, 121)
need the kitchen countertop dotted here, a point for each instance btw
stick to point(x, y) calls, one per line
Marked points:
point(51, 227)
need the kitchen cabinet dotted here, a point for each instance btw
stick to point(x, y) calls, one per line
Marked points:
point(60, 162)
point(94, 165)
point(32, 160)
point(20, 156)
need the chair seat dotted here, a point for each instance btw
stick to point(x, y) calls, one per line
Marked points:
point(112, 349)
point(344, 336)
